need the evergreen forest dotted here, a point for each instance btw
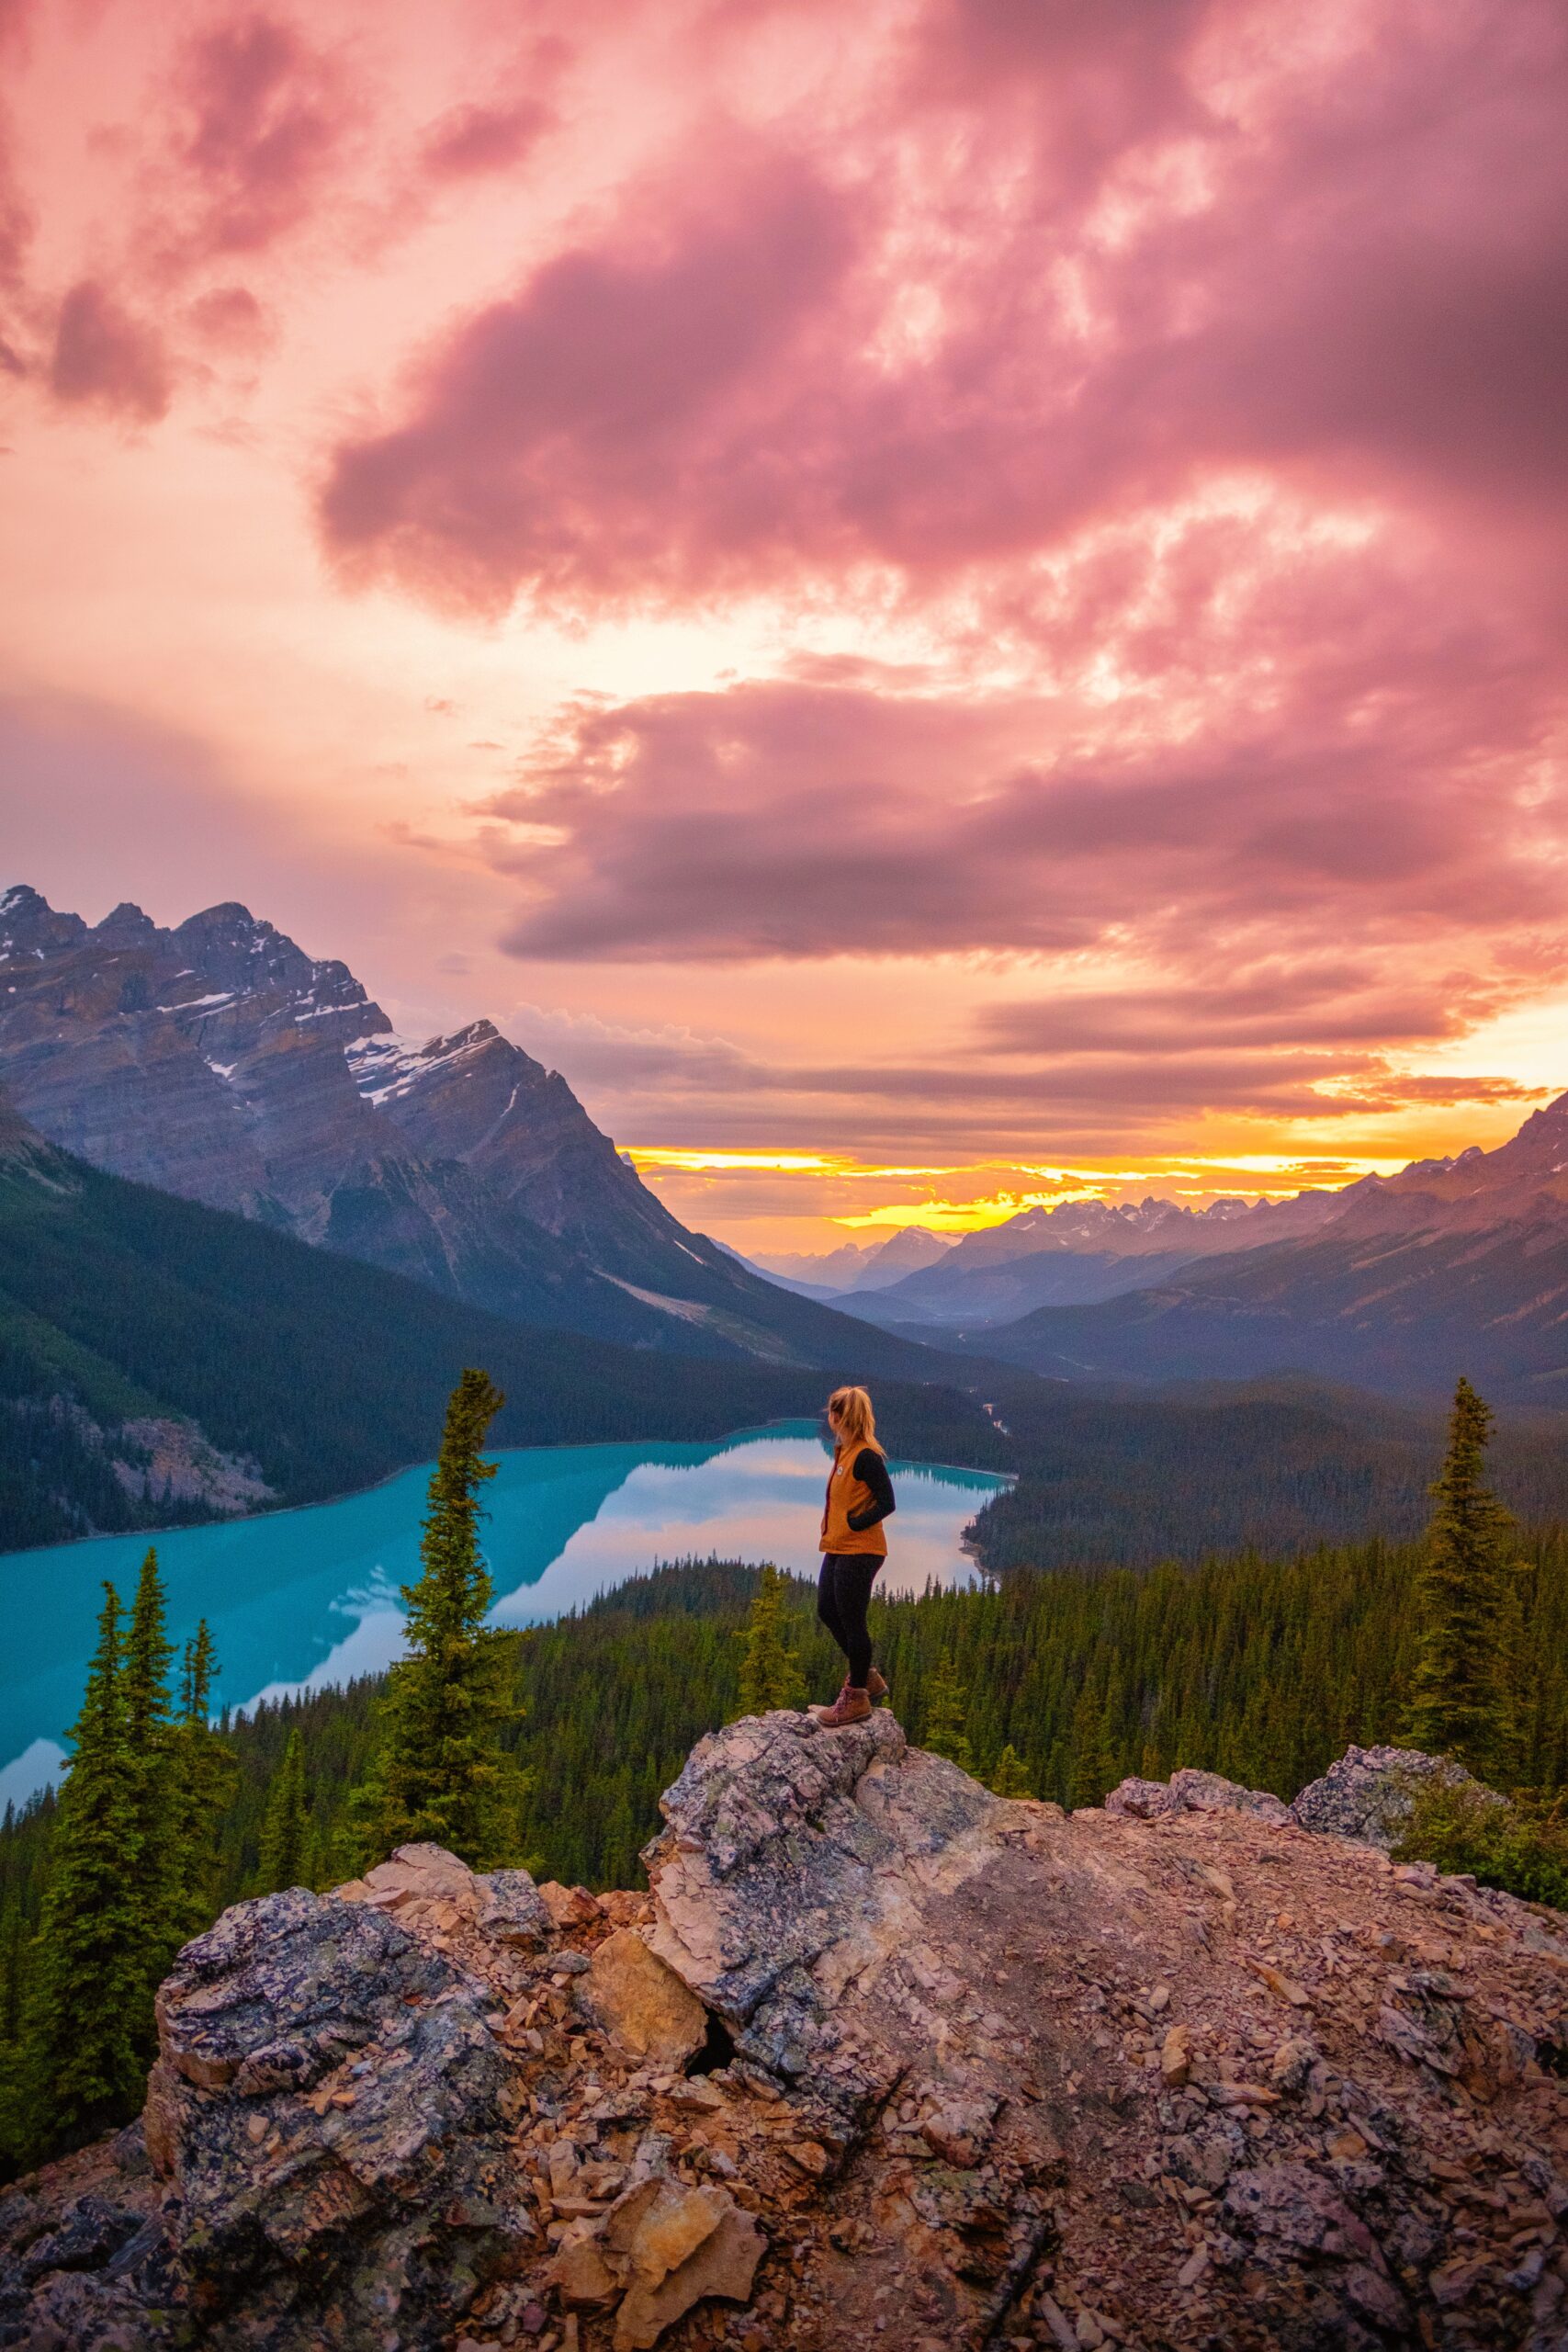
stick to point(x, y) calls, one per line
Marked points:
point(551, 1745)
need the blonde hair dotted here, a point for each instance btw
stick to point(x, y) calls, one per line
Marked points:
point(857, 1422)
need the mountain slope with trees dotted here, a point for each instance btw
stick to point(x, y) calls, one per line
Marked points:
point(124, 1309)
point(216, 1060)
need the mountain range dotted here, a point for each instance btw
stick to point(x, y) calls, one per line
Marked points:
point(1082, 1252)
point(1451, 1266)
point(219, 1062)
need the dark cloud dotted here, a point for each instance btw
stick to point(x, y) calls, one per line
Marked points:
point(1323, 1005)
point(783, 820)
point(1364, 293)
point(106, 357)
point(600, 390)
point(263, 116)
point(472, 139)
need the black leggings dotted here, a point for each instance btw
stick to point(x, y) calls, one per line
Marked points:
point(844, 1588)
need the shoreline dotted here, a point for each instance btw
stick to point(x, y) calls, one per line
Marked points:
point(390, 1478)
point(371, 1486)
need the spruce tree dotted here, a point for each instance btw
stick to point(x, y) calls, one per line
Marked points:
point(1462, 1703)
point(286, 1827)
point(82, 2064)
point(770, 1671)
point(205, 1774)
point(150, 1746)
point(441, 1772)
point(1096, 1767)
point(947, 1714)
point(1010, 1778)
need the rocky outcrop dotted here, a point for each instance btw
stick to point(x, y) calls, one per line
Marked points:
point(971, 2074)
point(1191, 1791)
point(162, 1460)
point(1369, 1793)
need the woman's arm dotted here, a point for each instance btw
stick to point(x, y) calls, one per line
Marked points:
point(872, 1471)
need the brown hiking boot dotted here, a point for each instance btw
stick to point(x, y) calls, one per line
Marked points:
point(874, 1685)
point(850, 1706)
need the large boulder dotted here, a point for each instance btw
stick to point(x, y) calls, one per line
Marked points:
point(1369, 1793)
point(997, 2076)
point(330, 2106)
point(795, 1859)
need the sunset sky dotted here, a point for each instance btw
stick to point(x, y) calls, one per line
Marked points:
point(941, 603)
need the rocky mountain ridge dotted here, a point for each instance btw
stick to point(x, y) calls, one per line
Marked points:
point(880, 2057)
point(218, 1061)
point(1087, 1252)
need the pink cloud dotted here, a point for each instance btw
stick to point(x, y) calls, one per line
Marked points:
point(229, 318)
point(1327, 281)
point(600, 387)
point(262, 115)
point(473, 139)
point(108, 358)
point(1313, 754)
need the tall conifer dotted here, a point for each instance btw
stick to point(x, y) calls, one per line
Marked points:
point(770, 1671)
point(441, 1772)
point(1462, 1703)
point(150, 1746)
point(83, 2064)
point(947, 1714)
point(286, 1827)
point(205, 1774)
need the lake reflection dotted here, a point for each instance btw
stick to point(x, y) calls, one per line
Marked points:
point(298, 1600)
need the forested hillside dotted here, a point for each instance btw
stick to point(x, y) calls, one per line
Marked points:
point(1200, 1468)
point(317, 1373)
point(1259, 1667)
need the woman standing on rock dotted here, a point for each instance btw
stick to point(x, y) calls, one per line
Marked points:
point(860, 1497)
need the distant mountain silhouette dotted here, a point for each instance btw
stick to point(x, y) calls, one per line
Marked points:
point(855, 1267)
point(1083, 1251)
point(1451, 1266)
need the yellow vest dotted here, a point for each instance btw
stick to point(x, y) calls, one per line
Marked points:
point(847, 1493)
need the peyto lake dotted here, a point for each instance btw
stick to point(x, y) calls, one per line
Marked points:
point(300, 1599)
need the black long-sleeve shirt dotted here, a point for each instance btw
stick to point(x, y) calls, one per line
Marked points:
point(872, 1471)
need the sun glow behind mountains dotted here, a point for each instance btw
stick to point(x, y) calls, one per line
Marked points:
point(971, 1198)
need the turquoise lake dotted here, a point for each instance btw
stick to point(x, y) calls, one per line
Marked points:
point(301, 1599)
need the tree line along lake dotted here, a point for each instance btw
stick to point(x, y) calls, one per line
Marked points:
point(301, 1599)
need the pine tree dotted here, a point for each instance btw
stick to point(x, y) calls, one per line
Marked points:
point(206, 1775)
point(1096, 1767)
point(441, 1772)
point(83, 2067)
point(770, 1671)
point(1010, 1778)
point(286, 1829)
point(1461, 1701)
point(150, 1746)
point(947, 1714)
